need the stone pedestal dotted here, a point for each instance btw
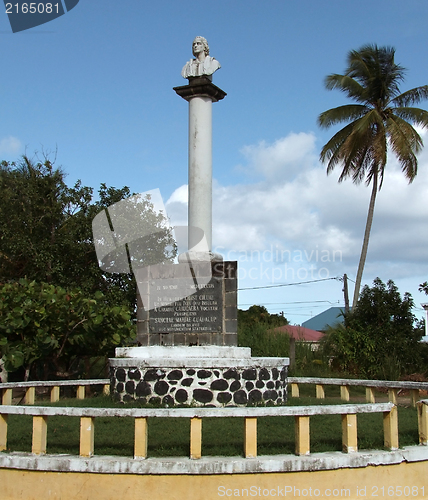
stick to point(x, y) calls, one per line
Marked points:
point(188, 305)
point(198, 376)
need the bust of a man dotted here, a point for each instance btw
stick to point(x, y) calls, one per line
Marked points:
point(203, 64)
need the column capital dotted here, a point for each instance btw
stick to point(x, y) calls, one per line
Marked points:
point(200, 87)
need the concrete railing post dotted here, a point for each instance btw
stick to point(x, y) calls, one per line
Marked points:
point(302, 435)
point(423, 423)
point(140, 437)
point(349, 433)
point(370, 395)
point(3, 431)
point(344, 392)
point(54, 394)
point(250, 442)
point(390, 428)
point(195, 438)
point(40, 430)
point(87, 435)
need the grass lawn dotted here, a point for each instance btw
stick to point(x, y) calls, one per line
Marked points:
point(221, 436)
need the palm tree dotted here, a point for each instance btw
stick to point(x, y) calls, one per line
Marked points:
point(380, 120)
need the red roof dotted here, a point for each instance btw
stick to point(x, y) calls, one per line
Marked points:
point(300, 333)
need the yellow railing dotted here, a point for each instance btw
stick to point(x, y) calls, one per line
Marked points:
point(393, 387)
point(301, 416)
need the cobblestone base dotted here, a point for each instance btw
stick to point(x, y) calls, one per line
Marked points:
point(253, 385)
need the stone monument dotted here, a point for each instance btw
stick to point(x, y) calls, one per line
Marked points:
point(188, 350)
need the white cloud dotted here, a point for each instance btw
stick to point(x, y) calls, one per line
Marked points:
point(284, 158)
point(10, 145)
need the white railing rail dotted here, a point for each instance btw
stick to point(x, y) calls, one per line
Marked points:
point(301, 415)
point(7, 388)
point(393, 387)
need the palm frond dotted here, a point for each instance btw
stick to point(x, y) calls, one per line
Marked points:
point(405, 142)
point(340, 114)
point(417, 116)
point(412, 96)
point(345, 84)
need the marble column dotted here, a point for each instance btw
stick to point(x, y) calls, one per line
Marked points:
point(200, 93)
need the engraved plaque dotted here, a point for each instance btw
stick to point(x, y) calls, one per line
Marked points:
point(198, 313)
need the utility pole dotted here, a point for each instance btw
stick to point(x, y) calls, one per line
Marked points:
point(345, 292)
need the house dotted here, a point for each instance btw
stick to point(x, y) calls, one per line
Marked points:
point(302, 334)
point(331, 317)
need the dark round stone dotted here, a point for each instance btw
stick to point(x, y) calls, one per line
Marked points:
point(120, 387)
point(235, 385)
point(175, 375)
point(130, 387)
point(217, 373)
point(155, 401)
point(204, 374)
point(191, 371)
point(275, 373)
point(249, 374)
point(240, 398)
point(181, 396)
point(202, 383)
point(187, 382)
point(231, 373)
point(172, 390)
point(151, 375)
point(270, 385)
point(121, 374)
point(134, 374)
point(219, 385)
point(283, 375)
point(254, 396)
point(264, 374)
point(249, 386)
point(267, 395)
point(168, 400)
point(202, 395)
point(143, 389)
point(224, 397)
point(142, 400)
point(277, 384)
point(260, 384)
point(127, 398)
point(161, 387)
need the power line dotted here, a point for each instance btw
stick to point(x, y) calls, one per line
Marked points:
point(287, 284)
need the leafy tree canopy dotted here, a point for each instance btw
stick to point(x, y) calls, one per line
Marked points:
point(380, 338)
point(46, 231)
point(260, 315)
point(51, 329)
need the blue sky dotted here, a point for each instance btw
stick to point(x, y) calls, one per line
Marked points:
point(95, 85)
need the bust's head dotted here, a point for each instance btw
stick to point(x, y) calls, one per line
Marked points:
point(200, 43)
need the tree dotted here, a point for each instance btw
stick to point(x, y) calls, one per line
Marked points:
point(56, 304)
point(380, 339)
point(46, 231)
point(379, 121)
point(51, 329)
